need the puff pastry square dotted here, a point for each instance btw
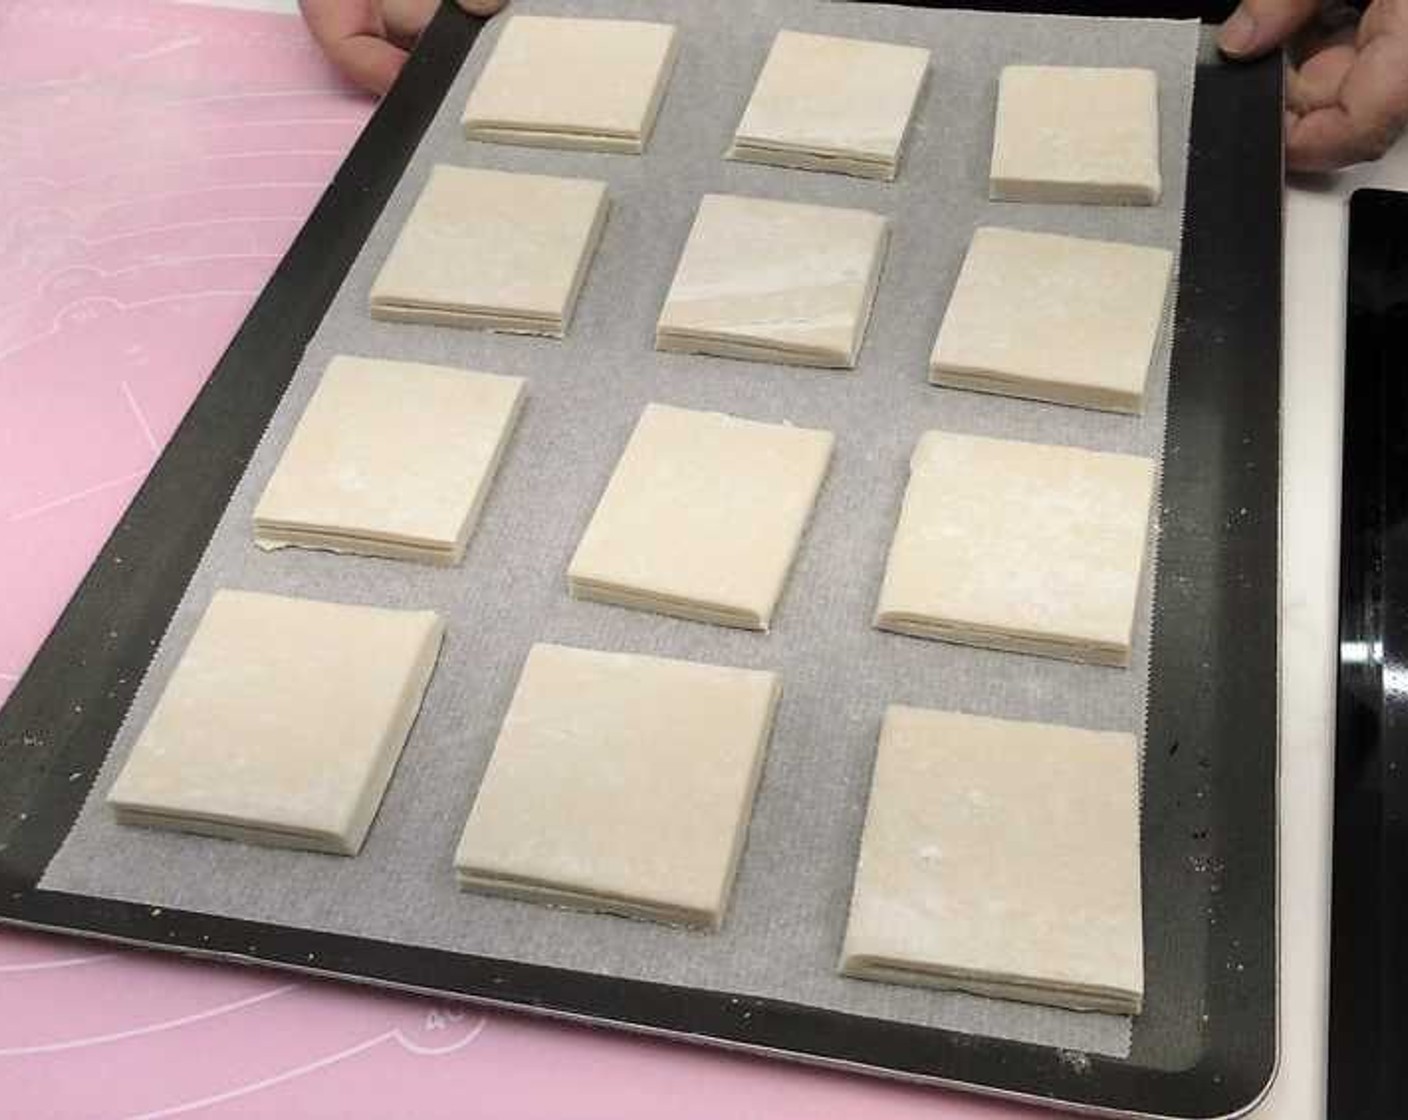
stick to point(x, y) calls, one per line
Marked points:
point(1052, 318)
point(1001, 858)
point(702, 517)
point(621, 783)
point(281, 723)
point(1077, 134)
point(554, 82)
point(389, 459)
point(774, 281)
point(1022, 547)
point(824, 103)
point(496, 250)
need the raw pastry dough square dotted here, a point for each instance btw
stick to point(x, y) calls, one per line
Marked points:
point(497, 250)
point(1001, 858)
point(1062, 319)
point(702, 517)
point(592, 84)
point(828, 104)
point(1019, 546)
point(390, 459)
point(281, 723)
point(774, 282)
point(621, 783)
point(1077, 134)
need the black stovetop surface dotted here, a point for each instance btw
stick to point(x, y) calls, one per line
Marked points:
point(1369, 932)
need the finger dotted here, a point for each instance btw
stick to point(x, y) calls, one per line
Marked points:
point(1383, 17)
point(406, 19)
point(332, 20)
point(481, 7)
point(1259, 26)
point(1316, 82)
point(352, 36)
point(1325, 140)
point(1370, 111)
point(371, 62)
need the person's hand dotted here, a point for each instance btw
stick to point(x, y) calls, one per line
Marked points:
point(368, 40)
point(1347, 91)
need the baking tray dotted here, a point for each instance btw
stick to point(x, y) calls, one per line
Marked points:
point(787, 911)
point(1206, 1045)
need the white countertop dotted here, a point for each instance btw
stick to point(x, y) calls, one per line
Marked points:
point(1316, 224)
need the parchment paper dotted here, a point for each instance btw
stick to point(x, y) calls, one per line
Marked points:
point(784, 929)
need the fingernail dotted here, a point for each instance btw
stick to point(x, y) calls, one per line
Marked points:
point(1238, 34)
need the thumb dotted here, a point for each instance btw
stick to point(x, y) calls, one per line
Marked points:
point(1259, 26)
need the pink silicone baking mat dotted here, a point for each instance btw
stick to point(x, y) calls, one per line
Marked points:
point(158, 161)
